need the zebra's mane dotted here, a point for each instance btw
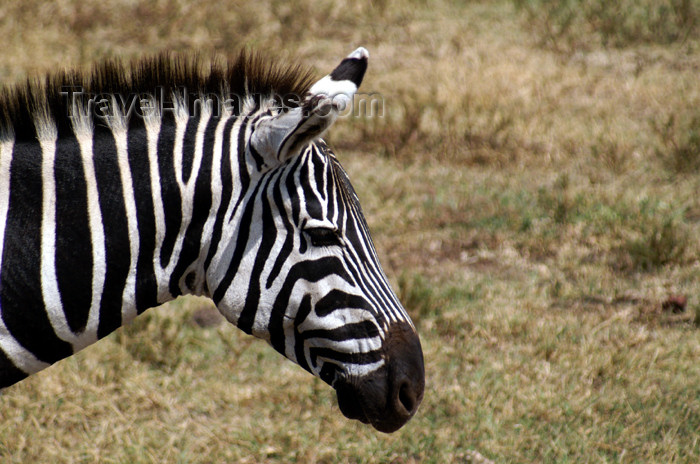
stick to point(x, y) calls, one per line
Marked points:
point(247, 74)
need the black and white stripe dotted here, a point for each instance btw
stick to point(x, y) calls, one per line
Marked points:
point(102, 219)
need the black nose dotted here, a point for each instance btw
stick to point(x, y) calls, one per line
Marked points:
point(405, 379)
point(406, 372)
point(388, 397)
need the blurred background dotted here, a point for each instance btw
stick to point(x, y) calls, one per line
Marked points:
point(533, 189)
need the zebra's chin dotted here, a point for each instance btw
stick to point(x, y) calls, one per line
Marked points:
point(389, 396)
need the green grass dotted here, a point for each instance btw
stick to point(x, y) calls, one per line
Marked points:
point(533, 195)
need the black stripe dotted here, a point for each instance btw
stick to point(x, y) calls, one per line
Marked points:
point(9, 374)
point(226, 191)
point(242, 238)
point(241, 244)
point(330, 186)
point(257, 157)
point(302, 313)
point(350, 69)
point(20, 281)
point(191, 244)
point(372, 273)
point(363, 265)
point(354, 330)
point(292, 188)
point(374, 301)
point(357, 234)
point(269, 233)
point(73, 237)
point(340, 202)
point(344, 358)
point(338, 299)
point(312, 203)
point(304, 132)
point(146, 288)
point(243, 176)
point(311, 271)
point(288, 244)
point(169, 189)
point(319, 169)
point(117, 244)
point(188, 146)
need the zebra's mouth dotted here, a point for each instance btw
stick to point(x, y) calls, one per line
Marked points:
point(349, 405)
point(389, 396)
point(376, 400)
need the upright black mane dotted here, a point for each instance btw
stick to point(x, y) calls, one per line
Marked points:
point(246, 74)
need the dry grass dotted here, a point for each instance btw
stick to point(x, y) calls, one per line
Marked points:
point(534, 205)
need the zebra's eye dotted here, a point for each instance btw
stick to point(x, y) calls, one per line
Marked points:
point(323, 236)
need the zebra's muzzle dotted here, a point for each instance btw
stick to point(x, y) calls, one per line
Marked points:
point(389, 396)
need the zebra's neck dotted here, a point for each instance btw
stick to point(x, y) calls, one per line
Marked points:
point(122, 220)
point(184, 175)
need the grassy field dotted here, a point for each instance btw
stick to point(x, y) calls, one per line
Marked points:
point(534, 193)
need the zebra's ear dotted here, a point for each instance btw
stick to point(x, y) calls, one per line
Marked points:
point(284, 135)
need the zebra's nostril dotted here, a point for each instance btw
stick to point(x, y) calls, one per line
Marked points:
point(407, 399)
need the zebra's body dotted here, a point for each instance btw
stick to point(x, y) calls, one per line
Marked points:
point(104, 217)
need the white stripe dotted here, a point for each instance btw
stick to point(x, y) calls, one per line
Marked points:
point(216, 191)
point(97, 234)
point(49, 282)
point(356, 370)
point(340, 91)
point(278, 178)
point(153, 125)
point(20, 357)
point(181, 118)
point(47, 135)
point(119, 131)
point(222, 258)
point(310, 153)
point(187, 191)
point(372, 276)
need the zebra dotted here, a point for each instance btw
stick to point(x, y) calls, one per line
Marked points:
point(125, 186)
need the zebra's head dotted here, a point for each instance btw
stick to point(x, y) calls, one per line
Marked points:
point(300, 269)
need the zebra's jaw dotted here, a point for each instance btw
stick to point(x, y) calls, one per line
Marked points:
point(389, 396)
